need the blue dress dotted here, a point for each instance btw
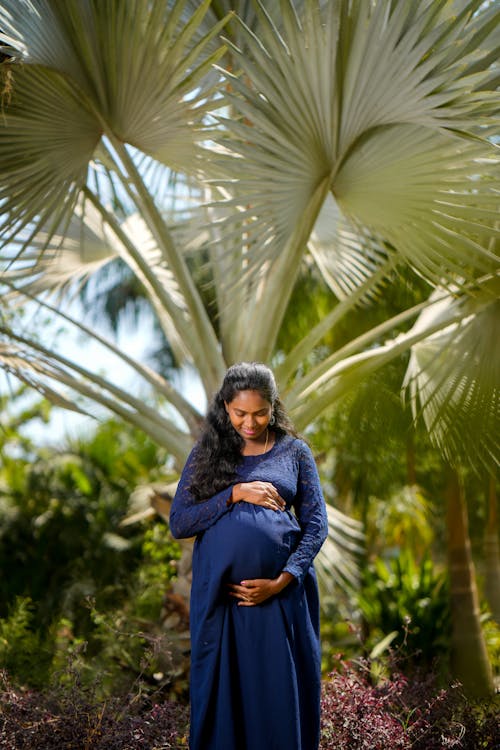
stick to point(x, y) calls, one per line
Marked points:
point(255, 671)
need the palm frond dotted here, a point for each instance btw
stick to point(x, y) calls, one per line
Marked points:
point(453, 380)
point(417, 188)
point(130, 72)
point(317, 103)
point(47, 138)
point(293, 359)
point(13, 362)
point(344, 254)
point(337, 561)
point(135, 63)
point(344, 369)
point(49, 373)
point(60, 262)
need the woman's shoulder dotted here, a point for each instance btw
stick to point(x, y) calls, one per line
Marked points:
point(293, 444)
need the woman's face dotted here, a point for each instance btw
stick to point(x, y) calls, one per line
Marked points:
point(249, 413)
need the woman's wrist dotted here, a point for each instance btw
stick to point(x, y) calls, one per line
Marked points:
point(284, 579)
point(236, 494)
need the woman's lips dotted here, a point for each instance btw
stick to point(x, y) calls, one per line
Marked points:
point(249, 433)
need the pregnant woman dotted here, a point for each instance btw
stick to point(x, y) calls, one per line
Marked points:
point(250, 493)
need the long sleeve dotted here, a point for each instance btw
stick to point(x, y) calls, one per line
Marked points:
point(311, 514)
point(189, 517)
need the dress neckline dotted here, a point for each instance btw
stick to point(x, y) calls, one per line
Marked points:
point(277, 439)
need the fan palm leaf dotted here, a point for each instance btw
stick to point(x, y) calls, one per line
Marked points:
point(46, 371)
point(453, 379)
point(136, 91)
point(336, 562)
point(45, 148)
point(345, 256)
point(94, 42)
point(311, 117)
point(59, 262)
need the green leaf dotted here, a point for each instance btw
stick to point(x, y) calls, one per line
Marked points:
point(317, 101)
point(383, 645)
point(47, 138)
point(453, 379)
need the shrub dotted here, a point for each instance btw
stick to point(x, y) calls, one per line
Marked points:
point(22, 651)
point(398, 714)
point(71, 719)
point(408, 598)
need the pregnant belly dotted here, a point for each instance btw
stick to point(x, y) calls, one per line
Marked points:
point(251, 542)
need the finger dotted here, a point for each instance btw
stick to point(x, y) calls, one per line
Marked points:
point(272, 506)
point(275, 494)
point(276, 498)
point(272, 503)
point(252, 583)
point(240, 597)
point(237, 590)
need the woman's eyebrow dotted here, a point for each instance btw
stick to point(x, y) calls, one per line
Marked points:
point(258, 411)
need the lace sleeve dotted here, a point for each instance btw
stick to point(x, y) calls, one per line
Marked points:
point(189, 517)
point(310, 510)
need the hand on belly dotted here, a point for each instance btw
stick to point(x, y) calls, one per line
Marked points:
point(257, 590)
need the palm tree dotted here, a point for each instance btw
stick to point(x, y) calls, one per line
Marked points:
point(469, 655)
point(358, 134)
point(492, 552)
point(449, 368)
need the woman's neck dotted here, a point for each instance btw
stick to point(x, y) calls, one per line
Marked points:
point(261, 445)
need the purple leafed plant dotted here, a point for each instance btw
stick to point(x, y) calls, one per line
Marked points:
point(397, 714)
point(70, 720)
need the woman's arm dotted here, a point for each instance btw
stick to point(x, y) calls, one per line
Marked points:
point(311, 514)
point(189, 517)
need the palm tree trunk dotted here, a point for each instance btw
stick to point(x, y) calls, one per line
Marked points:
point(492, 553)
point(470, 663)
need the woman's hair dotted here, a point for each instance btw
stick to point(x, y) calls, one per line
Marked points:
point(218, 451)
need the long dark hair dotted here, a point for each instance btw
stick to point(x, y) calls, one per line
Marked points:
point(218, 451)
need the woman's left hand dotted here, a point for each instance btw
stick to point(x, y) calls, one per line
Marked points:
point(257, 590)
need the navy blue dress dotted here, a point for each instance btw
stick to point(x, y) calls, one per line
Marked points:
point(255, 671)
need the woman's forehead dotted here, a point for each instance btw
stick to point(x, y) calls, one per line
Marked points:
point(249, 401)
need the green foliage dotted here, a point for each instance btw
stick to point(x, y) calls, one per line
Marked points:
point(22, 651)
point(410, 599)
point(159, 552)
point(127, 642)
point(63, 547)
point(404, 520)
point(60, 540)
point(491, 630)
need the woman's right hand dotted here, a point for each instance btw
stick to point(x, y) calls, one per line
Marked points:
point(258, 493)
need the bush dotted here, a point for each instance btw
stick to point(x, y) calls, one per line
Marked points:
point(71, 719)
point(126, 639)
point(22, 651)
point(398, 714)
point(410, 599)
